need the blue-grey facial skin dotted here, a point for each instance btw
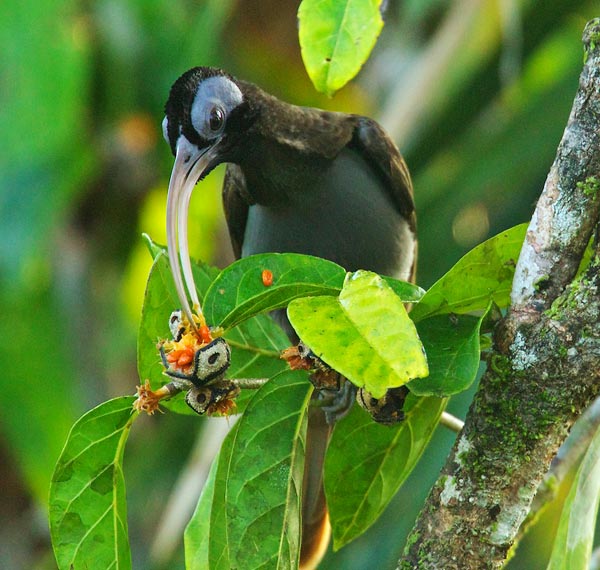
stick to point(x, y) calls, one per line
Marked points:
point(215, 94)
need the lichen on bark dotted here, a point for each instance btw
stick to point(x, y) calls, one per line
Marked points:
point(544, 369)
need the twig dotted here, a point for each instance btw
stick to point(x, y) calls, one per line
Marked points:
point(249, 383)
point(451, 422)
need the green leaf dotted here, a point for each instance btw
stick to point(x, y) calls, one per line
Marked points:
point(575, 535)
point(256, 346)
point(197, 531)
point(88, 513)
point(365, 334)
point(408, 292)
point(255, 519)
point(153, 248)
point(239, 293)
point(453, 353)
point(336, 38)
point(366, 463)
point(484, 274)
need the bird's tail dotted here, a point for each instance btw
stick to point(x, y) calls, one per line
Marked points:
point(315, 518)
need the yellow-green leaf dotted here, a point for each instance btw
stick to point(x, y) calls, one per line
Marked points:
point(336, 38)
point(575, 535)
point(365, 334)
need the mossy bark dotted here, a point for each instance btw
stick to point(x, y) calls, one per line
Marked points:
point(544, 370)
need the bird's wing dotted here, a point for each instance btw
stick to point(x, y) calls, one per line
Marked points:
point(376, 147)
point(236, 202)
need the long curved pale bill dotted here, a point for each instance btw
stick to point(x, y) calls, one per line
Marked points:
point(189, 165)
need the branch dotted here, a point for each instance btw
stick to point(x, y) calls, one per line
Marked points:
point(451, 422)
point(545, 366)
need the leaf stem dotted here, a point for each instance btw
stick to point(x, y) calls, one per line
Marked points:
point(250, 348)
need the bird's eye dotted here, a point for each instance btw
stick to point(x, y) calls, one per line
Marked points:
point(216, 119)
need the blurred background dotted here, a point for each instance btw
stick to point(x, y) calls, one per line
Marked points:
point(475, 92)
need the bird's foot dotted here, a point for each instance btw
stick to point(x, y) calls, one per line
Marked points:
point(336, 393)
point(337, 403)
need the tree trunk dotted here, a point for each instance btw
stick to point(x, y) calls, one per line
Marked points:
point(544, 368)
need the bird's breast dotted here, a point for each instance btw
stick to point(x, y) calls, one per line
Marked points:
point(343, 213)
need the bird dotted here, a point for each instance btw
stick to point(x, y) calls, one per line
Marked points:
point(298, 180)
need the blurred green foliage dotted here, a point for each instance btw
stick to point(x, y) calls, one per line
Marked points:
point(476, 93)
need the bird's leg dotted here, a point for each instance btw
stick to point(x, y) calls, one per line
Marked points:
point(336, 393)
point(337, 403)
